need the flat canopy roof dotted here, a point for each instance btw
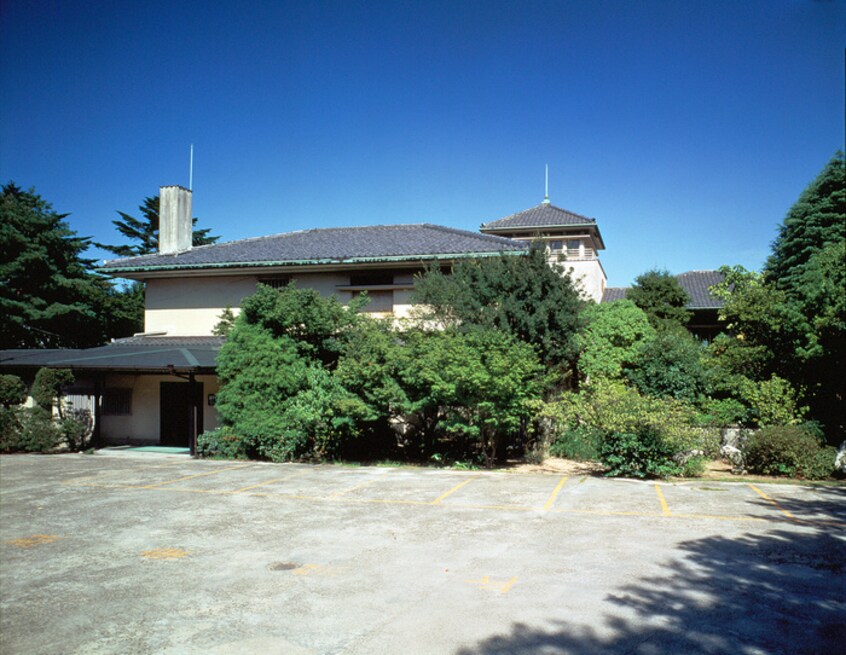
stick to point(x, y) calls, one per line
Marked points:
point(135, 354)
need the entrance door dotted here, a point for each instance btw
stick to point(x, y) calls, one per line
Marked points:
point(180, 403)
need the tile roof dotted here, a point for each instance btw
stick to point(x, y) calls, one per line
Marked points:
point(544, 215)
point(696, 283)
point(326, 246)
point(152, 354)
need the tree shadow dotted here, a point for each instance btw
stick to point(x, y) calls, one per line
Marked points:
point(780, 592)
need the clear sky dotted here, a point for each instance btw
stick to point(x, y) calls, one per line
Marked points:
point(686, 128)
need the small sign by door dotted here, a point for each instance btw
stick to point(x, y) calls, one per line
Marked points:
point(212, 399)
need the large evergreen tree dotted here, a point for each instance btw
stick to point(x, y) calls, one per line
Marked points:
point(523, 295)
point(807, 265)
point(144, 232)
point(661, 296)
point(817, 219)
point(49, 297)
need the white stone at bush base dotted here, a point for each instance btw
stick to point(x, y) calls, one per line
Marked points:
point(840, 459)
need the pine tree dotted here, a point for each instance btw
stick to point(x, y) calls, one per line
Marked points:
point(144, 232)
point(49, 296)
point(816, 220)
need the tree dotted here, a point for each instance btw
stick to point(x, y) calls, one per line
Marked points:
point(817, 219)
point(49, 297)
point(661, 296)
point(611, 338)
point(473, 387)
point(523, 295)
point(144, 232)
point(669, 366)
point(807, 266)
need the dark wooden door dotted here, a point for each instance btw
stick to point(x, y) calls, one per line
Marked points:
point(181, 403)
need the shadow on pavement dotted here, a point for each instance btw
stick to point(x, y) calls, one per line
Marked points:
point(782, 592)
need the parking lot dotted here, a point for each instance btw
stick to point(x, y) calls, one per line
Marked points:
point(155, 554)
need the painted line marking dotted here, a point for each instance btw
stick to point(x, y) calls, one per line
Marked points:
point(191, 477)
point(34, 540)
point(266, 482)
point(771, 500)
point(443, 496)
point(665, 509)
point(551, 500)
point(486, 583)
point(343, 492)
point(164, 553)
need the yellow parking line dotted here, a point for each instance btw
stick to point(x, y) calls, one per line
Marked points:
point(261, 484)
point(665, 509)
point(343, 492)
point(191, 477)
point(551, 500)
point(770, 500)
point(440, 498)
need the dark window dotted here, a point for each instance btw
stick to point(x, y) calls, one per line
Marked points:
point(278, 282)
point(372, 278)
point(555, 245)
point(117, 402)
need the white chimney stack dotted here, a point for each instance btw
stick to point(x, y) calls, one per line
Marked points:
point(175, 226)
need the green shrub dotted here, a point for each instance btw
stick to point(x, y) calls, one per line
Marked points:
point(48, 385)
point(222, 443)
point(783, 450)
point(12, 391)
point(75, 430)
point(29, 430)
point(817, 465)
point(580, 443)
point(640, 454)
point(722, 412)
point(694, 467)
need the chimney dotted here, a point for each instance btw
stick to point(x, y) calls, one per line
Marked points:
point(175, 226)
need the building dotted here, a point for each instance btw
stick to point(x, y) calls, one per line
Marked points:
point(158, 388)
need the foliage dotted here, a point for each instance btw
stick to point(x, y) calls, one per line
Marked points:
point(33, 431)
point(525, 296)
point(771, 402)
point(221, 443)
point(640, 454)
point(669, 366)
point(475, 386)
point(76, 430)
point(722, 412)
point(638, 435)
point(12, 391)
point(611, 338)
point(580, 443)
point(694, 467)
point(49, 298)
point(278, 392)
point(48, 386)
point(144, 232)
point(662, 298)
point(815, 221)
point(225, 324)
point(788, 450)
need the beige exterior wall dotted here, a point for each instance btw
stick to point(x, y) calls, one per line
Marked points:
point(191, 306)
point(143, 426)
point(590, 277)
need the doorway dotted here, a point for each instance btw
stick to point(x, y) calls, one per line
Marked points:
point(181, 405)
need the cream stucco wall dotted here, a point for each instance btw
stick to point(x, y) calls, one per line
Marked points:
point(192, 305)
point(590, 277)
point(143, 426)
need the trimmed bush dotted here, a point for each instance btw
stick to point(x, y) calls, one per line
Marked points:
point(818, 465)
point(640, 454)
point(788, 450)
point(222, 443)
point(581, 444)
point(32, 431)
point(12, 391)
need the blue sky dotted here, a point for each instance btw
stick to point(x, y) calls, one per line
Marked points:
point(687, 129)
